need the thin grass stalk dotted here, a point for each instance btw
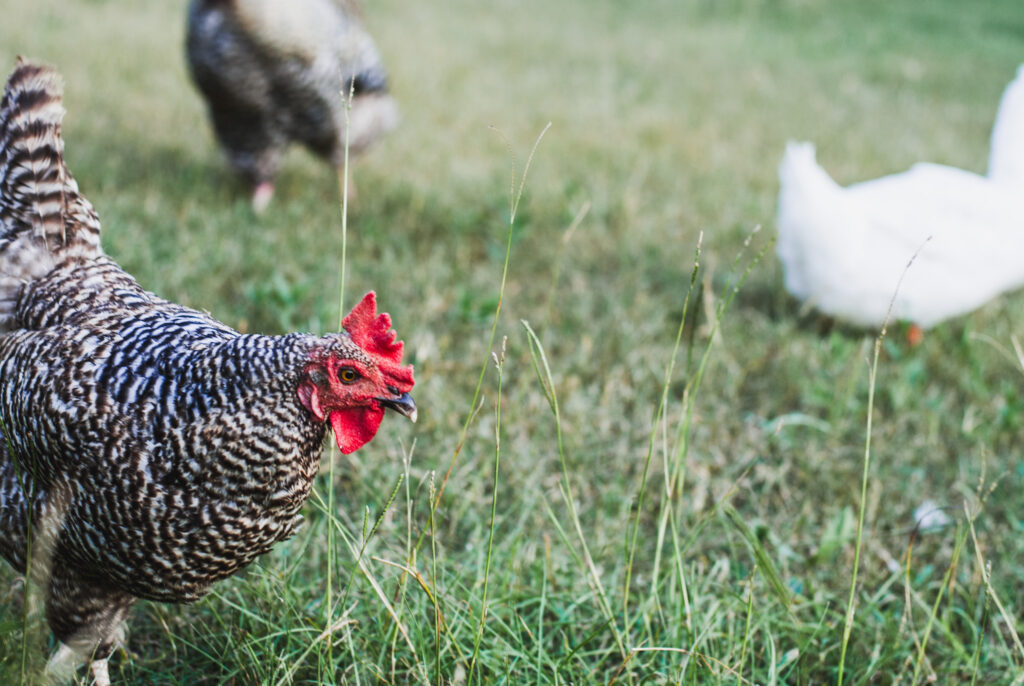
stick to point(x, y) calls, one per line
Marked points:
point(442, 623)
point(976, 658)
point(343, 190)
point(359, 555)
point(367, 535)
point(986, 576)
point(246, 612)
point(680, 571)
point(693, 385)
point(350, 642)
point(400, 592)
point(673, 484)
point(411, 571)
point(709, 662)
point(361, 563)
point(514, 198)
point(763, 560)
point(331, 553)
point(317, 640)
point(435, 498)
point(591, 634)
point(957, 548)
point(562, 245)
point(436, 492)
point(1018, 351)
point(540, 618)
point(548, 385)
point(950, 635)
point(674, 475)
point(438, 619)
point(749, 615)
point(655, 595)
point(862, 508)
point(662, 403)
point(557, 523)
point(499, 363)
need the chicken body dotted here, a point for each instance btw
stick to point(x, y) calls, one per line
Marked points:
point(148, 450)
point(274, 72)
point(175, 449)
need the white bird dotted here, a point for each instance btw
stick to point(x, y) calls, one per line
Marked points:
point(844, 250)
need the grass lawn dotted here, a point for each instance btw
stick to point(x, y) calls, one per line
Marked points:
point(583, 533)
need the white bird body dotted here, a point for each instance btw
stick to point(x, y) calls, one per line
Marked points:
point(845, 249)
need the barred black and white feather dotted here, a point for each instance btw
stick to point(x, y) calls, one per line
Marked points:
point(43, 217)
point(276, 72)
point(148, 449)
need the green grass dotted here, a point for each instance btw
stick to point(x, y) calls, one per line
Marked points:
point(583, 535)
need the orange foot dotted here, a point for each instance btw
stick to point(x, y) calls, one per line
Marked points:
point(914, 335)
point(261, 196)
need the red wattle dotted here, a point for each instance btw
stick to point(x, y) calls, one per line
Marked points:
point(355, 427)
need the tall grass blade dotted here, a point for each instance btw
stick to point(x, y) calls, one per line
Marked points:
point(499, 363)
point(332, 457)
point(514, 198)
point(957, 548)
point(544, 376)
point(764, 561)
point(866, 471)
point(674, 466)
point(662, 404)
point(985, 568)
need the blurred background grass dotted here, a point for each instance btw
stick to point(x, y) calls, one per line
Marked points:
point(668, 119)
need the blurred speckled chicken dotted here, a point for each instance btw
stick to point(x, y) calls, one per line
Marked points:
point(147, 450)
point(274, 72)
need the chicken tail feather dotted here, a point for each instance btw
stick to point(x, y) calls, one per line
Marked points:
point(44, 220)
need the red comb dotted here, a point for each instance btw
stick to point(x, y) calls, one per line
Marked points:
point(373, 332)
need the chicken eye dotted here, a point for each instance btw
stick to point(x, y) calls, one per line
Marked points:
point(347, 375)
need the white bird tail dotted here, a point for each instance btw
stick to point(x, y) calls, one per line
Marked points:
point(44, 221)
point(1006, 160)
point(809, 202)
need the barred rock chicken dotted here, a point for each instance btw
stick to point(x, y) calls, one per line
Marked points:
point(147, 449)
point(275, 72)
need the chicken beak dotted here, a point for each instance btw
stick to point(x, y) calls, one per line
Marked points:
point(403, 404)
